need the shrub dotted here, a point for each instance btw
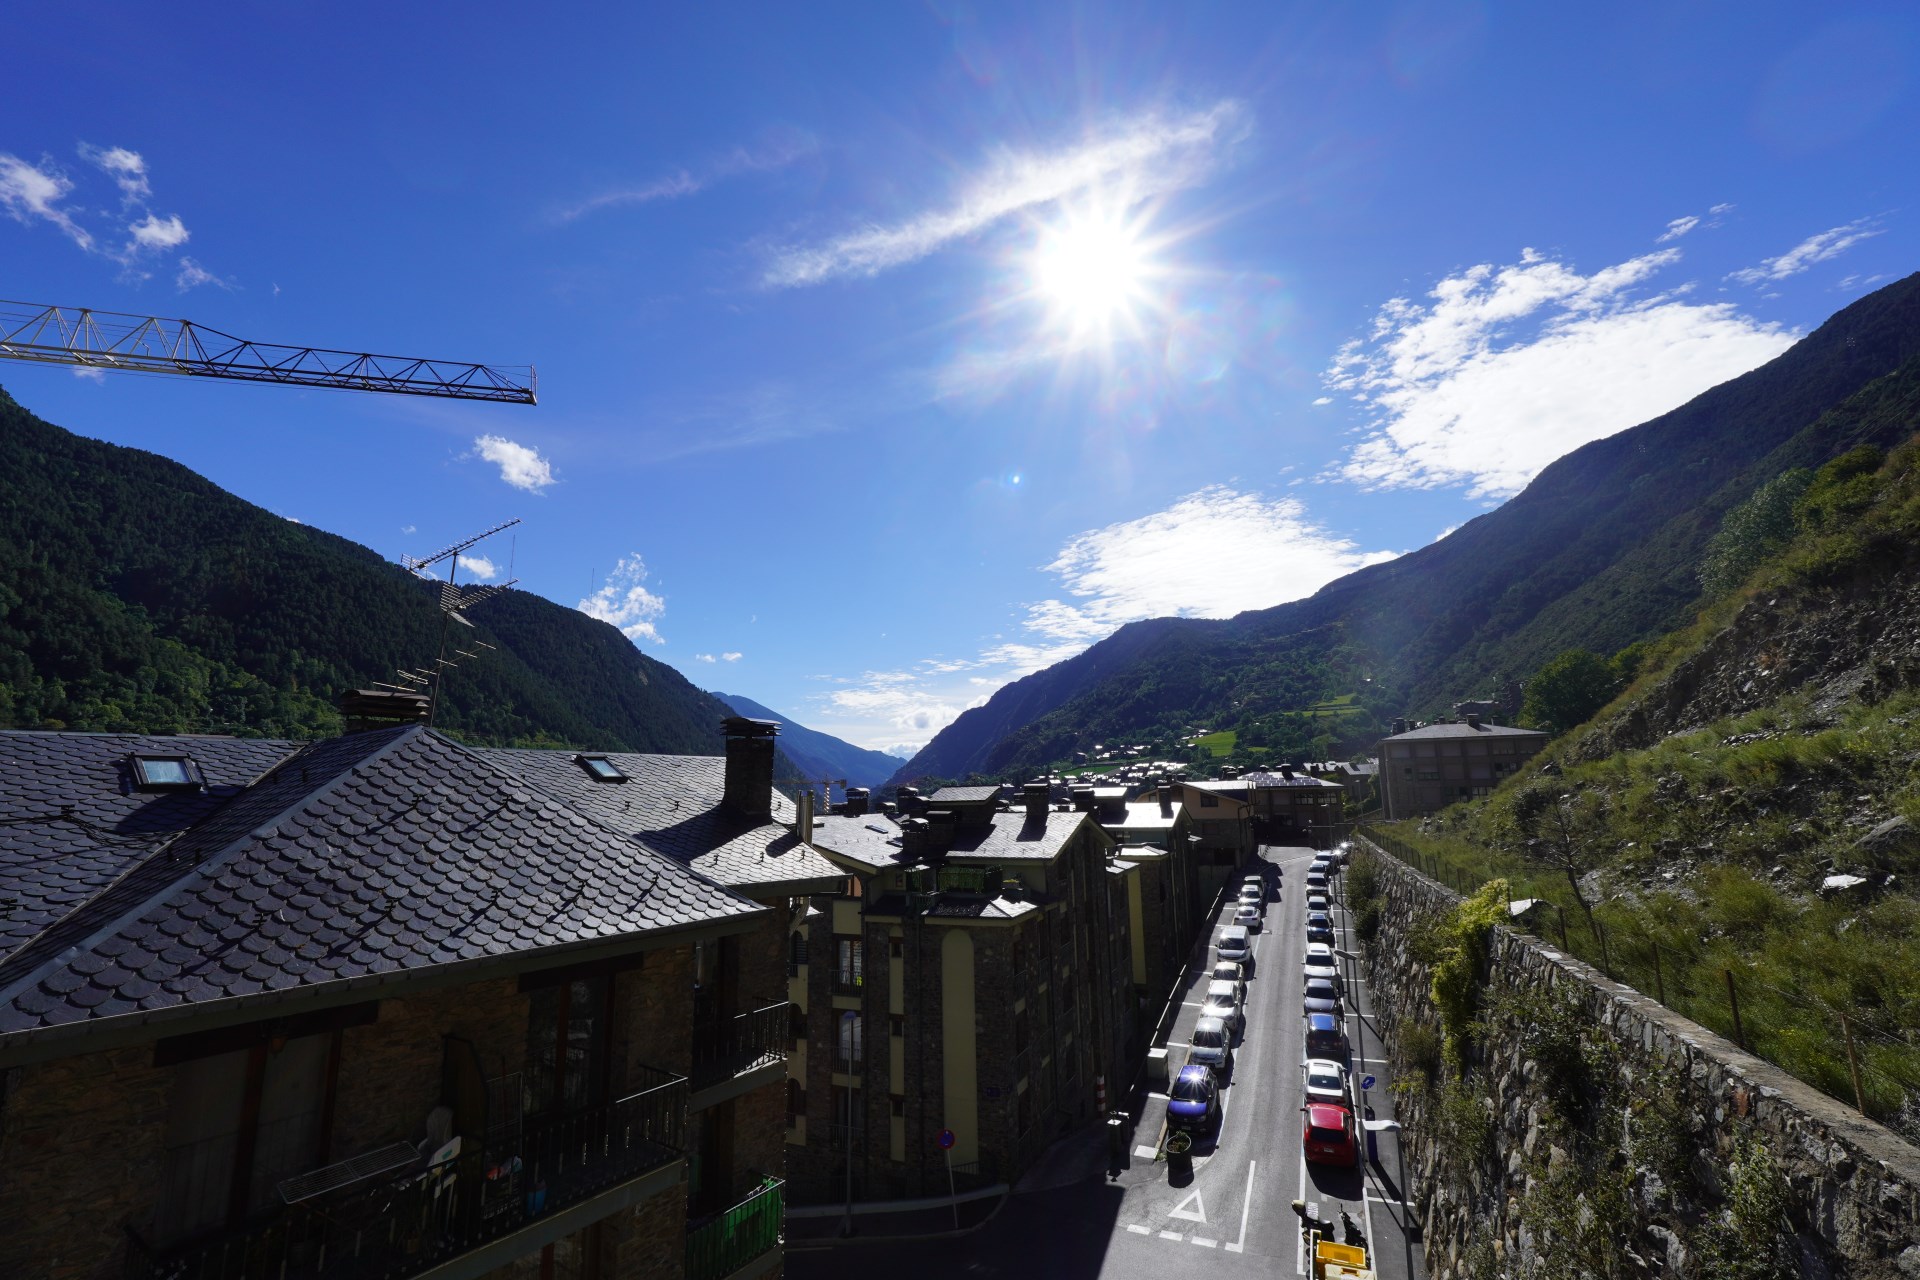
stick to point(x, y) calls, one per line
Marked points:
point(1421, 1047)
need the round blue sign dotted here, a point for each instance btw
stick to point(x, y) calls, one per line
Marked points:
point(946, 1139)
point(1366, 1083)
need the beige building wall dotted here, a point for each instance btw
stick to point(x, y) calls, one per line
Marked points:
point(959, 1065)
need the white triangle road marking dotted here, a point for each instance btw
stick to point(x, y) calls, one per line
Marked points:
point(1196, 1214)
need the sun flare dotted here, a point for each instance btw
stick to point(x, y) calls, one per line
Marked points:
point(1091, 270)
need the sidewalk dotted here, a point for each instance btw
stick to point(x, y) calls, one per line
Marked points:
point(873, 1223)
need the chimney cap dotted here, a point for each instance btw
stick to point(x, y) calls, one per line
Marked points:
point(748, 727)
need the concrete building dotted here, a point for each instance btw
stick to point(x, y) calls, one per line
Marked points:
point(1425, 769)
point(974, 978)
point(268, 1003)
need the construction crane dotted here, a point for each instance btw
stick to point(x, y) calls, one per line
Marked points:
point(91, 339)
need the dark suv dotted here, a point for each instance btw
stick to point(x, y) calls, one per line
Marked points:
point(1325, 1039)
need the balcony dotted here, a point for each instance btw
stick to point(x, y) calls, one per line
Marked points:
point(732, 1238)
point(843, 983)
point(729, 1048)
point(420, 1219)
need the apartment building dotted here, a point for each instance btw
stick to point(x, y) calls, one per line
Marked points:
point(1425, 769)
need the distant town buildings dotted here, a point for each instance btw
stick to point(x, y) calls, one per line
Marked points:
point(1425, 769)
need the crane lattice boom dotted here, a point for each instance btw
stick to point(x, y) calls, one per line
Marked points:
point(150, 344)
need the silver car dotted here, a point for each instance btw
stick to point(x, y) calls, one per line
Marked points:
point(1223, 1002)
point(1211, 1046)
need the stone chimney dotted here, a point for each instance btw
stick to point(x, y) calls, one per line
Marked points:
point(1083, 798)
point(1165, 793)
point(365, 709)
point(1037, 796)
point(804, 828)
point(749, 786)
point(914, 838)
point(1400, 725)
point(856, 802)
point(1473, 720)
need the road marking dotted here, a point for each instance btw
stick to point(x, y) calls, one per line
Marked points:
point(1239, 1246)
point(1300, 1239)
point(1203, 1243)
point(1139, 1230)
point(1196, 1214)
point(1146, 1153)
point(1171, 1235)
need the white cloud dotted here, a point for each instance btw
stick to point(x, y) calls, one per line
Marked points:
point(155, 232)
point(520, 466)
point(408, 528)
point(1830, 243)
point(732, 655)
point(28, 192)
point(1679, 227)
point(1508, 368)
point(1147, 154)
point(480, 567)
point(90, 374)
point(691, 181)
point(127, 168)
point(624, 601)
point(192, 275)
point(703, 657)
point(1323, 400)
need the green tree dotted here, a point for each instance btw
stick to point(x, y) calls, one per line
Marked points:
point(1753, 531)
point(1568, 690)
point(1844, 487)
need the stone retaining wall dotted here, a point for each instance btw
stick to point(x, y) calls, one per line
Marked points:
point(1852, 1187)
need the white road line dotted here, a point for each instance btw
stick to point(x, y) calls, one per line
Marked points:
point(1385, 1200)
point(1204, 1244)
point(1171, 1235)
point(1300, 1241)
point(1139, 1230)
point(1246, 1207)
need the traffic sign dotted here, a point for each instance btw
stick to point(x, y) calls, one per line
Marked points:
point(946, 1139)
point(1366, 1083)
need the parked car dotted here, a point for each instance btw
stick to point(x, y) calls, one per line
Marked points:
point(1320, 933)
point(1324, 972)
point(1318, 901)
point(1316, 880)
point(1325, 1039)
point(1222, 1001)
point(1331, 1137)
point(1250, 896)
point(1256, 882)
point(1327, 1082)
point(1230, 971)
point(1247, 916)
point(1234, 944)
point(1212, 1045)
point(1323, 997)
point(1193, 1103)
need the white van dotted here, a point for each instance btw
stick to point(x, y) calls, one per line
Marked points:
point(1234, 944)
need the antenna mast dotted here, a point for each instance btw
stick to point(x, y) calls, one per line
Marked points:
point(454, 603)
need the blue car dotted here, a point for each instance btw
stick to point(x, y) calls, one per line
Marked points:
point(1193, 1103)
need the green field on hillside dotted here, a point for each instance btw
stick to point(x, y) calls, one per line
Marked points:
point(1220, 744)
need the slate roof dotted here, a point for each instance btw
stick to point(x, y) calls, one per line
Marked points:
point(359, 858)
point(1145, 815)
point(964, 795)
point(871, 839)
point(1278, 781)
point(71, 822)
point(1017, 836)
point(1463, 730)
point(673, 804)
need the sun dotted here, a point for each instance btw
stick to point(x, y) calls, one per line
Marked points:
point(1092, 271)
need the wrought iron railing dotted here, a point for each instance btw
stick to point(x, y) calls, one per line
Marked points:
point(410, 1223)
point(727, 1048)
point(844, 983)
point(729, 1240)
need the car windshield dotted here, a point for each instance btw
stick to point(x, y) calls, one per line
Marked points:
point(1320, 987)
point(1220, 991)
point(1321, 1078)
point(1209, 1037)
point(1226, 972)
point(1190, 1088)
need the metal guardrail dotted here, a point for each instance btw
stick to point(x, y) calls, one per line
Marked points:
point(722, 1244)
point(739, 1044)
point(412, 1223)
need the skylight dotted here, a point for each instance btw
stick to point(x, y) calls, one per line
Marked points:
point(601, 769)
point(165, 773)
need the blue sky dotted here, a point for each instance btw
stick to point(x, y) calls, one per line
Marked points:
point(889, 352)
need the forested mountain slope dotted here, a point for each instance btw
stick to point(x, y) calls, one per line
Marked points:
point(819, 755)
point(1598, 552)
point(137, 595)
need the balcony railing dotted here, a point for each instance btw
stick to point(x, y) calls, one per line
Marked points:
point(843, 983)
point(732, 1046)
point(420, 1218)
point(732, 1238)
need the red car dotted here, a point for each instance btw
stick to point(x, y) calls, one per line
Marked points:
point(1331, 1136)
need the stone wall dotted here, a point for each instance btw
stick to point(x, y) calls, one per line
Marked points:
point(1852, 1189)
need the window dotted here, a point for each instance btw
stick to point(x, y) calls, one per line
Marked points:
point(849, 969)
point(1209, 802)
point(796, 1101)
point(899, 1104)
point(567, 1046)
point(850, 1048)
point(165, 773)
point(600, 769)
point(897, 1025)
point(894, 946)
point(796, 953)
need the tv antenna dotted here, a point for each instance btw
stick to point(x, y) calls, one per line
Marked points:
point(455, 601)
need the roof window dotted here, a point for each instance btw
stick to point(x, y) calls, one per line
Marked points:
point(165, 773)
point(600, 769)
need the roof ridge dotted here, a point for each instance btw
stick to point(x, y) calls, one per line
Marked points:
point(19, 969)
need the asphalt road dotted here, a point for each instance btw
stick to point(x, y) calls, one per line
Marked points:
point(1231, 1214)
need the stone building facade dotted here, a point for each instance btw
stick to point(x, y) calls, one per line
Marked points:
point(1424, 770)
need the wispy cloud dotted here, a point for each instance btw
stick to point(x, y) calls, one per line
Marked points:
point(35, 192)
point(624, 601)
point(520, 465)
point(732, 655)
point(1828, 244)
point(1147, 154)
point(127, 168)
point(1679, 227)
point(155, 232)
point(683, 182)
point(703, 657)
point(192, 275)
point(480, 567)
point(1504, 369)
point(90, 374)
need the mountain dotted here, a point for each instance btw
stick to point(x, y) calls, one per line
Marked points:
point(136, 595)
point(820, 755)
point(1600, 551)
